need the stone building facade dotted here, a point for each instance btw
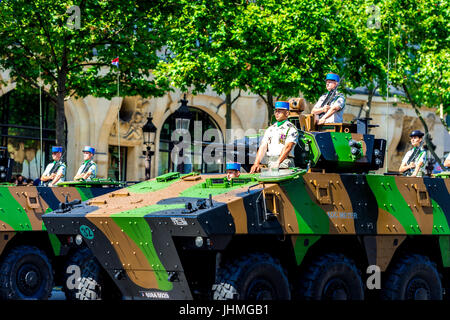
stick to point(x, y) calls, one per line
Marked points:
point(98, 122)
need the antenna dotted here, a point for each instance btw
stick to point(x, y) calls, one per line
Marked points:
point(118, 124)
point(387, 97)
point(40, 123)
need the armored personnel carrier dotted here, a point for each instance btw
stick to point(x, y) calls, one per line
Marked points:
point(31, 260)
point(331, 228)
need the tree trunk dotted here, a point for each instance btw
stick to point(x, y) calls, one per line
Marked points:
point(441, 117)
point(427, 135)
point(269, 107)
point(369, 105)
point(228, 114)
point(369, 101)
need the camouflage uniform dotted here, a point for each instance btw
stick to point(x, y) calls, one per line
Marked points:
point(422, 156)
point(276, 137)
point(60, 169)
point(339, 100)
point(88, 166)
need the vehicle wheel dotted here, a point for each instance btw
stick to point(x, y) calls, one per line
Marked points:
point(331, 277)
point(414, 277)
point(71, 279)
point(256, 276)
point(90, 284)
point(26, 274)
point(95, 284)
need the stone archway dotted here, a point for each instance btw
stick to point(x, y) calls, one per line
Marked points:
point(164, 144)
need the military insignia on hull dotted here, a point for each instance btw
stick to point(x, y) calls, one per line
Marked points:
point(86, 232)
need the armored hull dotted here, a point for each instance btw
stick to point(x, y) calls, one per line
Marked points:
point(29, 255)
point(311, 232)
point(206, 237)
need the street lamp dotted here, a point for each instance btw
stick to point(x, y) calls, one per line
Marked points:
point(182, 115)
point(182, 120)
point(149, 131)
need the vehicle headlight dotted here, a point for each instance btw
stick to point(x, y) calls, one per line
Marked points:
point(79, 239)
point(199, 242)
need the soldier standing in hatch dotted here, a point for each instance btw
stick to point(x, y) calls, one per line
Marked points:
point(233, 170)
point(55, 171)
point(330, 107)
point(447, 161)
point(415, 159)
point(278, 141)
point(88, 169)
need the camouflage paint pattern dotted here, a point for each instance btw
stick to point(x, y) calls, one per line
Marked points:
point(22, 207)
point(133, 229)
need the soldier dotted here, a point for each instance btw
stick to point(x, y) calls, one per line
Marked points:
point(55, 171)
point(330, 107)
point(447, 161)
point(415, 159)
point(88, 169)
point(233, 170)
point(278, 141)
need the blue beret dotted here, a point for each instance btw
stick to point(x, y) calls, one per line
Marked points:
point(89, 149)
point(332, 76)
point(233, 166)
point(282, 105)
point(417, 133)
point(57, 149)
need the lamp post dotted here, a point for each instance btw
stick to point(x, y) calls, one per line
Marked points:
point(182, 120)
point(182, 115)
point(149, 131)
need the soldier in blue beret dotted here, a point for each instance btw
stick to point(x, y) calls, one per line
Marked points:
point(233, 170)
point(415, 160)
point(88, 169)
point(55, 171)
point(447, 161)
point(278, 141)
point(330, 107)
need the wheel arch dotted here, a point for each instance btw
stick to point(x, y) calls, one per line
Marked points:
point(278, 247)
point(38, 239)
point(424, 245)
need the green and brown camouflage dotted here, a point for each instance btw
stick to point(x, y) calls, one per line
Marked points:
point(22, 207)
point(22, 228)
point(308, 232)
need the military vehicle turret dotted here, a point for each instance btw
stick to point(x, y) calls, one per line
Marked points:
point(312, 232)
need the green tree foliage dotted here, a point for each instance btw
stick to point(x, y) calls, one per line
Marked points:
point(271, 48)
point(366, 53)
point(72, 45)
point(419, 42)
point(420, 49)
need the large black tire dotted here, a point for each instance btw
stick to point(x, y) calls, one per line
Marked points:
point(95, 283)
point(413, 277)
point(80, 258)
point(26, 274)
point(90, 284)
point(331, 277)
point(256, 276)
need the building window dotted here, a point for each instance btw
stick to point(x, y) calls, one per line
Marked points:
point(113, 163)
point(21, 132)
point(165, 163)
